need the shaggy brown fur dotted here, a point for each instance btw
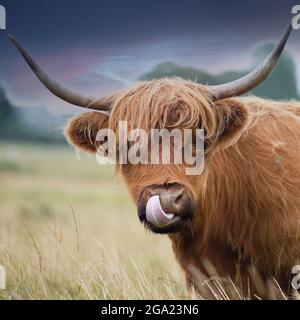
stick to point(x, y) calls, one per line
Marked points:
point(248, 204)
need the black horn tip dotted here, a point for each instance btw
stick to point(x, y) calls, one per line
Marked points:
point(12, 39)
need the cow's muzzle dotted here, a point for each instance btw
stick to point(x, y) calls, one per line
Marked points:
point(166, 208)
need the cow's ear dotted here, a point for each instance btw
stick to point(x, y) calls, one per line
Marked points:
point(232, 118)
point(82, 130)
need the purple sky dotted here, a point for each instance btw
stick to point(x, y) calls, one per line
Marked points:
point(98, 47)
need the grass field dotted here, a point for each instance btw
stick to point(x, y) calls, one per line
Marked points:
point(68, 230)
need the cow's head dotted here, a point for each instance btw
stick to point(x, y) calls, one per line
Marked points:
point(165, 195)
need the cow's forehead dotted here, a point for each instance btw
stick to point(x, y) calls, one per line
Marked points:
point(163, 103)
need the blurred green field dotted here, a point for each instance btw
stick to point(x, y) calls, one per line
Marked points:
point(69, 230)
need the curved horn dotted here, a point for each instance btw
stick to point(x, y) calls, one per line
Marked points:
point(57, 88)
point(254, 78)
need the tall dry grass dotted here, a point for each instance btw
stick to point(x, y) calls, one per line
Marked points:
point(68, 230)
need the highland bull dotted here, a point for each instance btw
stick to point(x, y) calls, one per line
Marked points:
point(245, 206)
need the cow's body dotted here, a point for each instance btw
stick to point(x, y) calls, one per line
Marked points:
point(249, 209)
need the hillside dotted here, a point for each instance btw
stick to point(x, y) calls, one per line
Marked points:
point(281, 84)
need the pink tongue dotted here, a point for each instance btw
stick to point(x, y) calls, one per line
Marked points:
point(155, 213)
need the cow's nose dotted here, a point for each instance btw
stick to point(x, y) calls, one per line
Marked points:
point(166, 208)
point(172, 198)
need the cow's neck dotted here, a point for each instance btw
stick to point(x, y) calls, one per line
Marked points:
point(226, 216)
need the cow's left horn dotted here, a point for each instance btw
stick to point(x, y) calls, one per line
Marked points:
point(57, 88)
point(254, 78)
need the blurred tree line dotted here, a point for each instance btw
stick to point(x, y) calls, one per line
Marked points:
point(281, 84)
point(11, 125)
point(14, 124)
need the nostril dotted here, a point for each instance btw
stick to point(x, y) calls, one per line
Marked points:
point(177, 196)
point(178, 199)
point(153, 193)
